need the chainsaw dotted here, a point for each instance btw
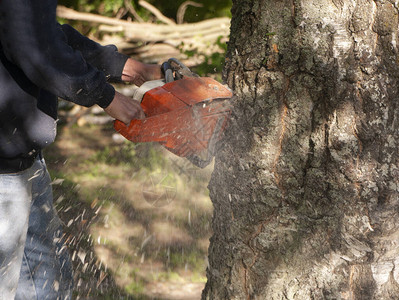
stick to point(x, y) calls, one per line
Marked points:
point(185, 113)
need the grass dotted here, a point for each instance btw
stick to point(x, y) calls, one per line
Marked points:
point(137, 217)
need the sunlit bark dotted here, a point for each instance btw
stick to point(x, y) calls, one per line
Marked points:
point(306, 185)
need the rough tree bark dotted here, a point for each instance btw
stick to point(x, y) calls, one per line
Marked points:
point(306, 185)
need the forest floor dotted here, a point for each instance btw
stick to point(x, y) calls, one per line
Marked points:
point(137, 218)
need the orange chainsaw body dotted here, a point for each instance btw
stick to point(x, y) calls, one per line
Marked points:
point(187, 116)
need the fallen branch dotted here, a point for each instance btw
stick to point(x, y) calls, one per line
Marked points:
point(70, 14)
point(156, 12)
point(181, 11)
point(131, 9)
point(206, 31)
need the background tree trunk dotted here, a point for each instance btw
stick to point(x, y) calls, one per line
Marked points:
point(306, 185)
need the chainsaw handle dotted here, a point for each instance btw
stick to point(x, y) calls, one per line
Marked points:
point(180, 69)
point(174, 69)
point(167, 70)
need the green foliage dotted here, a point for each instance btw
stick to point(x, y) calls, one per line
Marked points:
point(103, 7)
point(136, 285)
point(212, 62)
point(192, 259)
point(136, 155)
point(210, 8)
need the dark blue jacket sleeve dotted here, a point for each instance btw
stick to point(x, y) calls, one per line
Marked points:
point(105, 58)
point(32, 40)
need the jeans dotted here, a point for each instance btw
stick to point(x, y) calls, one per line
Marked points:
point(34, 262)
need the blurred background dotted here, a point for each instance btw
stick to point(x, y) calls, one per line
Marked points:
point(137, 217)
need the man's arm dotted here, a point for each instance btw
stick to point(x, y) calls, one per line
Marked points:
point(116, 66)
point(107, 59)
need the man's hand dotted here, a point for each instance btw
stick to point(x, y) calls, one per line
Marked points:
point(124, 109)
point(137, 72)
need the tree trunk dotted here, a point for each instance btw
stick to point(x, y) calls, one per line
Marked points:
point(306, 185)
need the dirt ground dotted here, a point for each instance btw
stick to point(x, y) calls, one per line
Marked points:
point(137, 218)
